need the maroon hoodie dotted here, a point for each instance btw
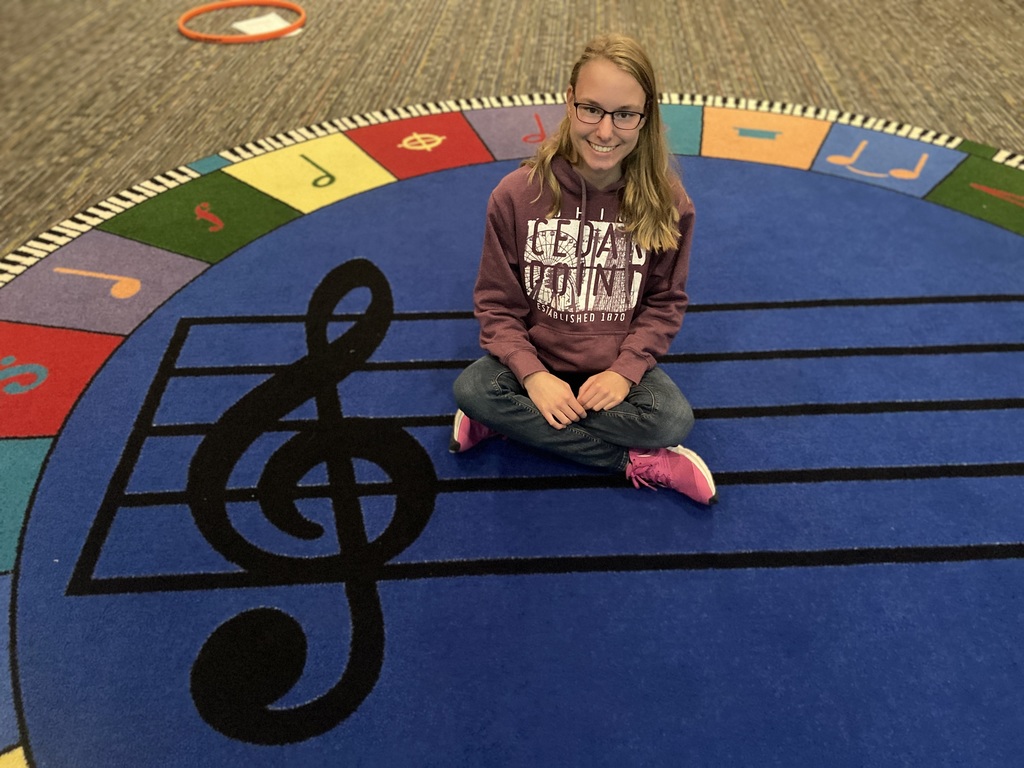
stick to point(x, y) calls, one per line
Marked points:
point(574, 294)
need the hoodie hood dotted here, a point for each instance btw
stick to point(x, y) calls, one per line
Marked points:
point(574, 185)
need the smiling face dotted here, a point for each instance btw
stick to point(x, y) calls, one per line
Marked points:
point(602, 147)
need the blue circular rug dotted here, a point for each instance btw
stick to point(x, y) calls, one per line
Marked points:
point(233, 534)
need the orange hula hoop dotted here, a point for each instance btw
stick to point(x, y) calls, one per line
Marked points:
point(204, 38)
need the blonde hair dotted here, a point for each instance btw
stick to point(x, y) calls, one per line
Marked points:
point(648, 201)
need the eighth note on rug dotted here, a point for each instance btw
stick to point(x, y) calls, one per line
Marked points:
point(123, 287)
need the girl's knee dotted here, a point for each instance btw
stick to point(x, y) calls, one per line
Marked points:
point(673, 424)
point(475, 384)
point(469, 388)
point(683, 421)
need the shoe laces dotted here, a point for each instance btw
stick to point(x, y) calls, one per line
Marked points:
point(649, 471)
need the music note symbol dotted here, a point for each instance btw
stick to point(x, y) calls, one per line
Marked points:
point(123, 287)
point(909, 174)
point(325, 179)
point(536, 138)
point(254, 658)
point(904, 174)
point(847, 161)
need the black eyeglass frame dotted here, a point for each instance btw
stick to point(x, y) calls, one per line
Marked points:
point(613, 113)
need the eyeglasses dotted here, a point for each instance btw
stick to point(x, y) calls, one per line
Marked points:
point(621, 119)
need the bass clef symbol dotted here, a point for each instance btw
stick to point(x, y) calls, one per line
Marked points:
point(253, 659)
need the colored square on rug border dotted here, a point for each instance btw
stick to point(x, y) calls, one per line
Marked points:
point(22, 461)
point(76, 286)
point(762, 137)
point(885, 160)
point(59, 364)
point(683, 126)
point(986, 190)
point(515, 132)
point(313, 174)
point(420, 145)
point(208, 218)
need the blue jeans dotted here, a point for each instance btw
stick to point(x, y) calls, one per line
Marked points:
point(655, 414)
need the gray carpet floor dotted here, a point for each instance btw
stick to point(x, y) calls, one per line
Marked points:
point(98, 95)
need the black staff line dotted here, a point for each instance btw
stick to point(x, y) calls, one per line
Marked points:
point(92, 585)
point(923, 350)
point(751, 306)
point(783, 410)
point(513, 483)
point(569, 564)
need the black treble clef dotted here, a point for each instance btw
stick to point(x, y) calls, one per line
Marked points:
point(254, 658)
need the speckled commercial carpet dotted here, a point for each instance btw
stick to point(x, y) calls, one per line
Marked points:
point(96, 96)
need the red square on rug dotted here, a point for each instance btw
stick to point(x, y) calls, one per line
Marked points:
point(422, 145)
point(43, 371)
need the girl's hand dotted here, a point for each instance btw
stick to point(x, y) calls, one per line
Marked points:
point(554, 399)
point(604, 390)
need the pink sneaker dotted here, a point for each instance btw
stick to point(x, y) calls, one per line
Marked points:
point(466, 433)
point(677, 468)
